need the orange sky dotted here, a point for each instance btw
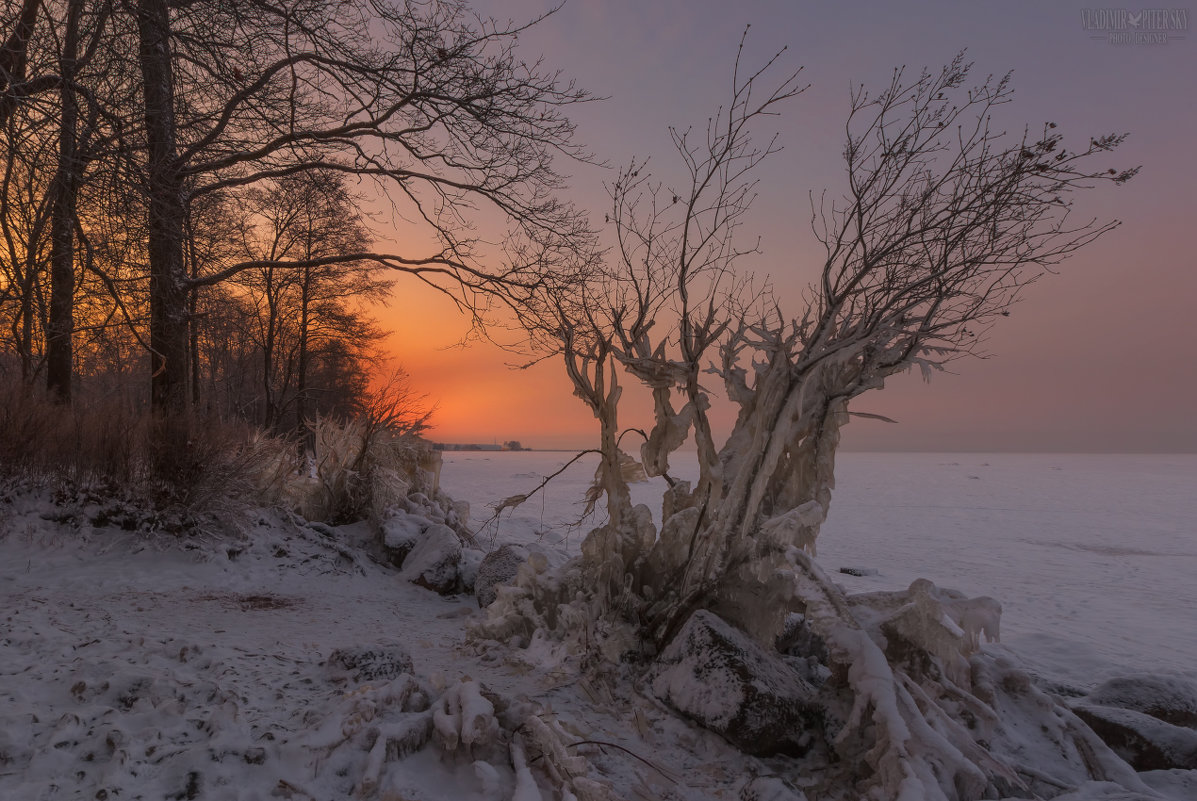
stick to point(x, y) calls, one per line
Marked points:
point(1098, 358)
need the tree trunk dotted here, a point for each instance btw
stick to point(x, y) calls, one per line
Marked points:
point(619, 500)
point(301, 379)
point(168, 283)
point(61, 328)
point(269, 339)
point(14, 55)
point(193, 354)
point(25, 343)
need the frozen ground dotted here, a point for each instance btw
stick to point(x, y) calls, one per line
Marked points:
point(1093, 557)
point(138, 667)
point(133, 667)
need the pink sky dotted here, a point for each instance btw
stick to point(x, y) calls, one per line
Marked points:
point(1097, 358)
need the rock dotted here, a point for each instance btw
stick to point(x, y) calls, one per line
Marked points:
point(400, 533)
point(803, 650)
point(1148, 720)
point(372, 664)
point(1172, 699)
point(718, 677)
point(433, 562)
point(498, 567)
point(1146, 742)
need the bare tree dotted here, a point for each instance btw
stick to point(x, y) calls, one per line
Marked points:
point(945, 219)
point(77, 147)
point(46, 66)
point(944, 222)
point(427, 100)
point(24, 222)
point(297, 309)
point(19, 25)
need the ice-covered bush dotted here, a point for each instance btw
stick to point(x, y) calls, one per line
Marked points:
point(355, 472)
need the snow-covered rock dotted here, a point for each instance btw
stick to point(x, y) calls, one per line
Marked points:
point(717, 676)
point(1172, 699)
point(1147, 743)
point(401, 531)
point(433, 562)
point(371, 664)
point(1149, 720)
point(498, 567)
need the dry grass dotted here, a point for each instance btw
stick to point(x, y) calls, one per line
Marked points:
point(357, 471)
point(102, 448)
point(82, 443)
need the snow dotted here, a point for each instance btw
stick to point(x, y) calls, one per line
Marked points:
point(151, 667)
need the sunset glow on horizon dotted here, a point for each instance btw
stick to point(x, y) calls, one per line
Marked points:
point(1097, 358)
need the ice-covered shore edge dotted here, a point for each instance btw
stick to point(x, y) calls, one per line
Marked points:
point(286, 663)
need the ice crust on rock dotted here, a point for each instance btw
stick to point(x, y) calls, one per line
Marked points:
point(717, 676)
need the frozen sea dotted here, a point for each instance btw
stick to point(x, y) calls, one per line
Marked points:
point(1093, 557)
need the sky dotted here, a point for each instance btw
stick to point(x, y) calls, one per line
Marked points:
point(1096, 358)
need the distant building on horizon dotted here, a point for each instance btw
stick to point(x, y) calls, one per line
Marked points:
point(510, 445)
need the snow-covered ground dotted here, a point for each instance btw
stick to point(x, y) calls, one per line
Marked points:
point(145, 667)
point(271, 666)
point(1093, 557)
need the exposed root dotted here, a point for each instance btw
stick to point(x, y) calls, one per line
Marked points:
point(914, 732)
point(497, 740)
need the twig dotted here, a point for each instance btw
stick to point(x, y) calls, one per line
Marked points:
point(516, 500)
point(669, 777)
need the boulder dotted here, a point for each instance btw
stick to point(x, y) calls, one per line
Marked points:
point(723, 680)
point(400, 533)
point(1172, 699)
point(433, 562)
point(371, 664)
point(1148, 720)
point(1146, 742)
point(498, 567)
